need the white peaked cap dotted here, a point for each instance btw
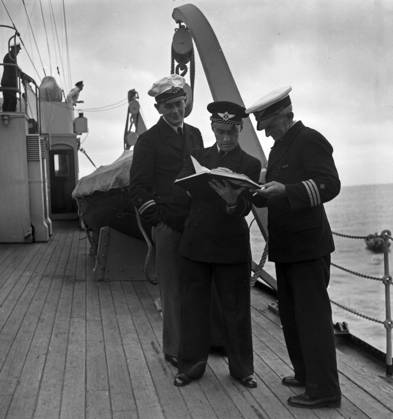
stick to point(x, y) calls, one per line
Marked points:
point(272, 100)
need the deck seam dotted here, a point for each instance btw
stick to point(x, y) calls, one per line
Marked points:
point(49, 254)
point(51, 289)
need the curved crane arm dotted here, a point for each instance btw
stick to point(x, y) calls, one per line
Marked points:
point(223, 87)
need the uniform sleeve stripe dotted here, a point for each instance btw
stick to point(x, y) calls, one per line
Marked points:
point(145, 206)
point(316, 191)
point(310, 194)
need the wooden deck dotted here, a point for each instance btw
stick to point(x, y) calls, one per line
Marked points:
point(71, 347)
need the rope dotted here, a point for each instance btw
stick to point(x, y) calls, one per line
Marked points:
point(374, 278)
point(348, 236)
point(21, 40)
point(54, 25)
point(8, 13)
point(34, 38)
point(67, 45)
point(357, 313)
point(104, 109)
point(46, 36)
point(258, 268)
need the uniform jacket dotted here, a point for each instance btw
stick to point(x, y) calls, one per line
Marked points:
point(158, 157)
point(211, 234)
point(297, 224)
point(11, 72)
point(73, 95)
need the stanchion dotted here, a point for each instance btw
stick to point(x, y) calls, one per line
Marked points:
point(387, 280)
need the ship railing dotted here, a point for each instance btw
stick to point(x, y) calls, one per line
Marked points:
point(386, 279)
point(385, 236)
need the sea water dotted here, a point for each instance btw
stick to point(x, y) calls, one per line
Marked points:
point(357, 211)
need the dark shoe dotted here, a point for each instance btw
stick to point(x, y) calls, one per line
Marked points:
point(248, 381)
point(292, 381)
point(304, 400)
point(171, 359)
point(182, 380)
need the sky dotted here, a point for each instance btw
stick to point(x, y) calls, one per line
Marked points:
point(336, 55)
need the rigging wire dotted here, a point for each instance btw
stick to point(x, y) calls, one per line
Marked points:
point(8, 13)
point(53, 20)
point(34, 38)
point(30, 59)
point(46, 36)
point(107, 107)
point(21, 40)
point(119, 102)
point(67, 45)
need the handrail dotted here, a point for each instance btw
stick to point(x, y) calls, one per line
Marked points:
point(386, 279)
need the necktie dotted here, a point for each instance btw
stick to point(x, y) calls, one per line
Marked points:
point(179, 131)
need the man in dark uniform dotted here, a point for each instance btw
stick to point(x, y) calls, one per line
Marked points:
point(301, 176)
point(158, 157)
point(9, 80)
point(215, 247)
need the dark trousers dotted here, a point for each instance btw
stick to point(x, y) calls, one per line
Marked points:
point(167, 267)
point(306, 317)
point(232, 283)
point(9, 101)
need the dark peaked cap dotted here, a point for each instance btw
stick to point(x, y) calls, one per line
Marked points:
point(226, 112)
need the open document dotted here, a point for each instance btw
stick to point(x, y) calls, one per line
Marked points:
point(199, 180)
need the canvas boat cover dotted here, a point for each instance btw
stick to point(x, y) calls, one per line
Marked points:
point(112, 176)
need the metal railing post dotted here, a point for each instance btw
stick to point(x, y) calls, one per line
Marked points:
point(387, 280)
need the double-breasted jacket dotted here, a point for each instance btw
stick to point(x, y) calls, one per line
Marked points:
point(158, 157)
point(211, 234)
point(297, 223)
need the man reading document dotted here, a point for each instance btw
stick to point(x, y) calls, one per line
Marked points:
point(215, 247)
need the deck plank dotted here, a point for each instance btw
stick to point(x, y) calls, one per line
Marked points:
point(274, 338)
point(17, 279)
point(49, 397)
point(122, 398)
point(143, 310)
point(24, 398)
point(19, 327)
point(73, 397)
point(97, 384)
point(147, 402)
point(12, 257)
point(72, 347)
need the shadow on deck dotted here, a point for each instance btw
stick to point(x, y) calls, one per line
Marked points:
point(71, 347)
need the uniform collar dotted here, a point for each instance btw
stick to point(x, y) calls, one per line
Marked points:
point(289, 135)
point(226, 152)
point(173, 126)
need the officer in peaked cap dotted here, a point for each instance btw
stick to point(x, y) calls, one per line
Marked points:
point(301, 176)
point(215, 250)
point(9, 79)
point(158, 157)
point(73, 94)
point(269, 107)
point(168, 89)
point(226, 112)
point(226, 122)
